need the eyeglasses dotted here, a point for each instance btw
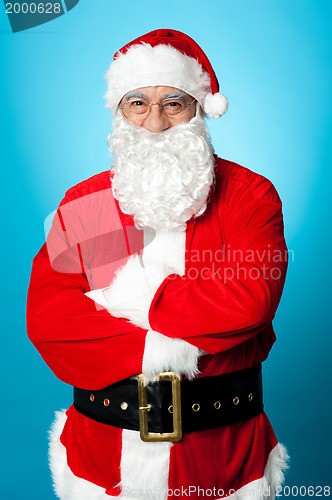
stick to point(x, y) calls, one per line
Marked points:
point(141, 108)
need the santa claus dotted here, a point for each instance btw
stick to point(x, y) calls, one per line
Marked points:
point(154, 297)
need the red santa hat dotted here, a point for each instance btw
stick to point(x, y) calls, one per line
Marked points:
point(165, 58)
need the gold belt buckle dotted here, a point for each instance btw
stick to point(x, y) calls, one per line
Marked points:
point(144, 408)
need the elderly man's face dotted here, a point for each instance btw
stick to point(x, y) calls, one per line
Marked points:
point(157, 108)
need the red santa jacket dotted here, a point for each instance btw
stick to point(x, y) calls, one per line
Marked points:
point(223, 303)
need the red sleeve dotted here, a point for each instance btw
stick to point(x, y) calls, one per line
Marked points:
point(235, 299)
point(85, 347)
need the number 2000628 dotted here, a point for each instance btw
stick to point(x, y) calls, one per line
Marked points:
point(303, 491)
point(33, 8)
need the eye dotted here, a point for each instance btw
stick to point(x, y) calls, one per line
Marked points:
point(138, 106)
point(173, 107)
point(173, 104)
point(137, 103)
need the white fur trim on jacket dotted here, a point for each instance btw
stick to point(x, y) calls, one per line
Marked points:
point(146, 66)
point(131, 292)
point(70, 487)
point(66, 485)
point(265, 487)
point(166, 251)
point(149, 480)
point(163, 354)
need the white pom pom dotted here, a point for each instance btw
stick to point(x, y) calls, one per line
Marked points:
point(215, 105)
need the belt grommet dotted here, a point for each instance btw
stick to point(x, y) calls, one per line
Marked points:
point(92, 397)
point(124, 405)
point(106, 402)
point(196, 407)
point(217, 405)
point(236, 400)
point(250, 396)
point(170, 409)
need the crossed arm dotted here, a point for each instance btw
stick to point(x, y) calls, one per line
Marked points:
point(92, 348)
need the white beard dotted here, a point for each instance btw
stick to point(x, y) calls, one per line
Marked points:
point(162, 179)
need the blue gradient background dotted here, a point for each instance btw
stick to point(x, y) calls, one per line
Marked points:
point(271, 57)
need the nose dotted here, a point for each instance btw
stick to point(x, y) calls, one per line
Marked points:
point(156, 121)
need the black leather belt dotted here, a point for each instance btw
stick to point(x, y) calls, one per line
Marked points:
point(164, 409)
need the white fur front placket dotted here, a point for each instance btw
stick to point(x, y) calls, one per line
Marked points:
point(166, 251)
point(145, 466)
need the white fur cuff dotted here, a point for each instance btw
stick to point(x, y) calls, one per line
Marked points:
point(162, 353)
point(131, 293)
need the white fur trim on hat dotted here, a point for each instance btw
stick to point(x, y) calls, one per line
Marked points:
point(162, 65)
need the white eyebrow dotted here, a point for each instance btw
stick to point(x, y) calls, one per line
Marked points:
point(135, 93)
point(176, 95)
point(139, 95)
